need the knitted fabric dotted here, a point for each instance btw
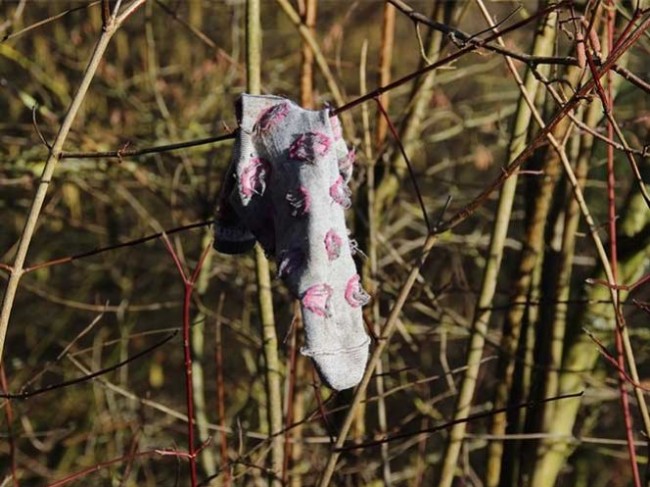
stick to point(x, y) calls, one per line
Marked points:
point(287, 188)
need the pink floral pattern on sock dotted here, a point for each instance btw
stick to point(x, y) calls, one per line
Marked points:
point(333, 245)
point(253, 178)
point(290, 262)
point(340, 193)
point(309, 146)
point(300, 201)
point(271, 117)
point(354, 293)
point(316, 299)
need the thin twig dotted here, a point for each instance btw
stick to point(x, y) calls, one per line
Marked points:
point(101, 250)
point(602, 349)
point(414, 180)
point(466, 419)
point(88, 377)
point(43, 22)
point(122, 153)
point(37, 128)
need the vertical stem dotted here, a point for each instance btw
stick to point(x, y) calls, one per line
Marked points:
point(187, 353)
point(221, 400)
point(188, 288)
point(198, 347)
point(531, 253)
point(272, 363)
point(297, 431)
point(565, 270)
point(290, 400)
point(307, 65)
point(385, 61)
point(253, 47)
point(363, 225)
point(611, 200)
point(265, 298)
point(320, 60)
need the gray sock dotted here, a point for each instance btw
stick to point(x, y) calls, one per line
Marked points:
point(287, 187)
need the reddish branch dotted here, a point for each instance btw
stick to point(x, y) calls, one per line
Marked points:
point(614, 361)
point(607, 100)
point(188, 288)
point(130, 243)
point(115, 461)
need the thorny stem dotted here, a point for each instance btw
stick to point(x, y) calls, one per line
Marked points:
point(188, 288)
point(187, 353)
point(608, 106)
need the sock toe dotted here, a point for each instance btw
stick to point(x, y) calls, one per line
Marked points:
point(344, 369)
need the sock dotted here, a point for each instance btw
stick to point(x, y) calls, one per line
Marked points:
point(287, 188)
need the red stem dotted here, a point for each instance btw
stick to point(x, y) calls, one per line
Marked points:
point(99, 466)
point(608, 105)
point(130, 243)
point(187, 300)
point(187, 351)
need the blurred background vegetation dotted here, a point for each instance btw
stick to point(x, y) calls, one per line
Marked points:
point(172, 73)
